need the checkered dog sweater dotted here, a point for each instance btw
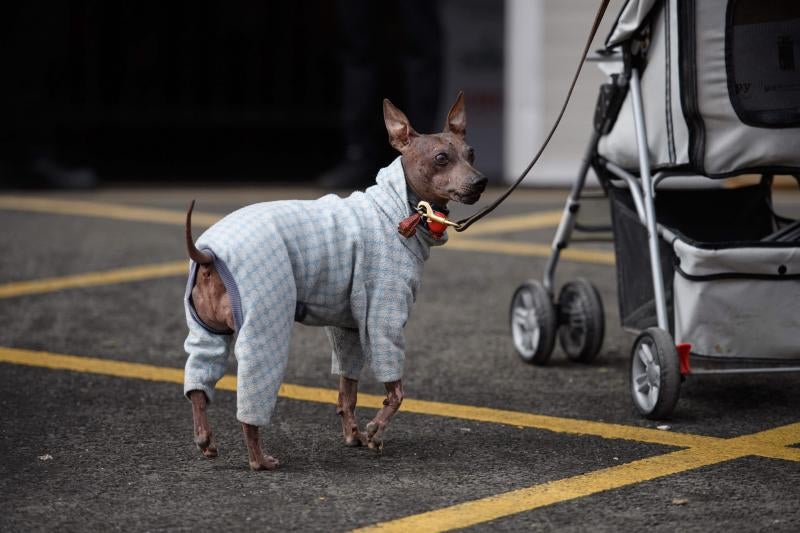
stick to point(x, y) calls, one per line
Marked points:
point(341, 258)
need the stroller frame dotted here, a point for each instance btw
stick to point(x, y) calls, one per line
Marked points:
point(643, 192)
point(658, 366)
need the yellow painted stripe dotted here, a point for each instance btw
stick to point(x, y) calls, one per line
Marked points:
point(91, 365)
point(109, 367)
point(527, 499)
point(547, 219)
point(103, 210)
point(601, 257)
point(179, 268)
point(457, 242)
point(315, 394)
point(517, 501)
point(782, 436)
point(704, 451)
point(556, 424)
point(172, 216)
point(91, 279)
point(770, 443)
point(771, 451)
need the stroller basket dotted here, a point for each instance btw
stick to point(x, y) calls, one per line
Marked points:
point(738, 300)
point(731, 293)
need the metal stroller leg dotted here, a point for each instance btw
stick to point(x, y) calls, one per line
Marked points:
point(571, 208)
point(649, 207)
point(577, 317)
point(655, 370)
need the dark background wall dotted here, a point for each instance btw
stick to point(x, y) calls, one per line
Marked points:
point(184, 90)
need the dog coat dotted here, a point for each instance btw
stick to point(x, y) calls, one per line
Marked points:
point(342, 259)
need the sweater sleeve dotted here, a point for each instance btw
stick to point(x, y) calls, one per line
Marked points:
point(208, 358)
point(382, 335)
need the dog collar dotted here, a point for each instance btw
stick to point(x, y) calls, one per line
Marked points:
point(434, 221)
point(432, 217)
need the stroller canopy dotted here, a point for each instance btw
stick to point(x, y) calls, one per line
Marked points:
point(630, 18)
point(720, 86)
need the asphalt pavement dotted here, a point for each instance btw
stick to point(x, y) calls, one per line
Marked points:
point(102, 440)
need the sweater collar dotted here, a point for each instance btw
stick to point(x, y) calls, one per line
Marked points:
point(393, 197)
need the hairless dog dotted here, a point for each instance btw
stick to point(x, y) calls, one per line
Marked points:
point(333, 262)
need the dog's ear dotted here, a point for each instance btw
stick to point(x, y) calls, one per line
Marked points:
point(457, 117)
point(400, 131)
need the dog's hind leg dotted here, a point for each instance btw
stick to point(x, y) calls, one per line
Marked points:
point(377, 426)
point(202, 427)
point(258, 382)
point(259, 379)
point(208, 355)
point(262, 350)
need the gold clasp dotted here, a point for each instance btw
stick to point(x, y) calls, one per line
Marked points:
point(425, 209)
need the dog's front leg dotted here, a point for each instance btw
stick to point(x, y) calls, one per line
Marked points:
point(256, 457)
point(346, 409)
point(202, 428)
point(376, 428)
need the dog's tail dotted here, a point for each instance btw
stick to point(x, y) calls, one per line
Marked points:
point(201, 258)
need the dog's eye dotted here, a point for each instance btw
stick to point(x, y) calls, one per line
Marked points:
point(471, 156)
point(441, 158)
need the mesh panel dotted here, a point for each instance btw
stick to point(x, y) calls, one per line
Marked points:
point(637, 308)
point(727, 216)
point(763, 61)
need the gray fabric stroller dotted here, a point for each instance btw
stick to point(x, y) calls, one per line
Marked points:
point(698, 90)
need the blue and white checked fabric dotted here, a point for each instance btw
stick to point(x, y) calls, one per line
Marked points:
point(341, 257)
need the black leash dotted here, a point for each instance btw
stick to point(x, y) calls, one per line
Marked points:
point(467, 222)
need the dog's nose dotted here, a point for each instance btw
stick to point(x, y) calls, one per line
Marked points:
point(479, 182)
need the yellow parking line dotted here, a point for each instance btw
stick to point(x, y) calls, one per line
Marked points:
point(179, 268)
point(103, 210)
point(770, 443)
point(517, 501)
point(506, 224)
point(171, 216)
point(139, 273)
point(91, 365)
point(701, 451)
point(601, 257)
point(457, 242)
point(124, 369)
point(605, 430)
point(788, 435)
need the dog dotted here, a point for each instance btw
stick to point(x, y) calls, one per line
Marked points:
point(333, 262)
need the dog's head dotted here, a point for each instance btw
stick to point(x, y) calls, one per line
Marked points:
point(438, 166)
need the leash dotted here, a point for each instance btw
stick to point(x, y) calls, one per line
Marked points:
point(424, 209)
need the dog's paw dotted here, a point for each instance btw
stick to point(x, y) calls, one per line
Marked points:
point(356, 439)
point(265, 463)
point(374, 436)
point(205, 445)
point(211, 451)
point(350, 433)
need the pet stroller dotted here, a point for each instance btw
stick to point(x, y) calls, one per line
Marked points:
point(698, 91)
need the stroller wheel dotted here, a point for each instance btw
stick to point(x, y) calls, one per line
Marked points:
point(581, 319)
point(655, 374)
point(533, 323)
